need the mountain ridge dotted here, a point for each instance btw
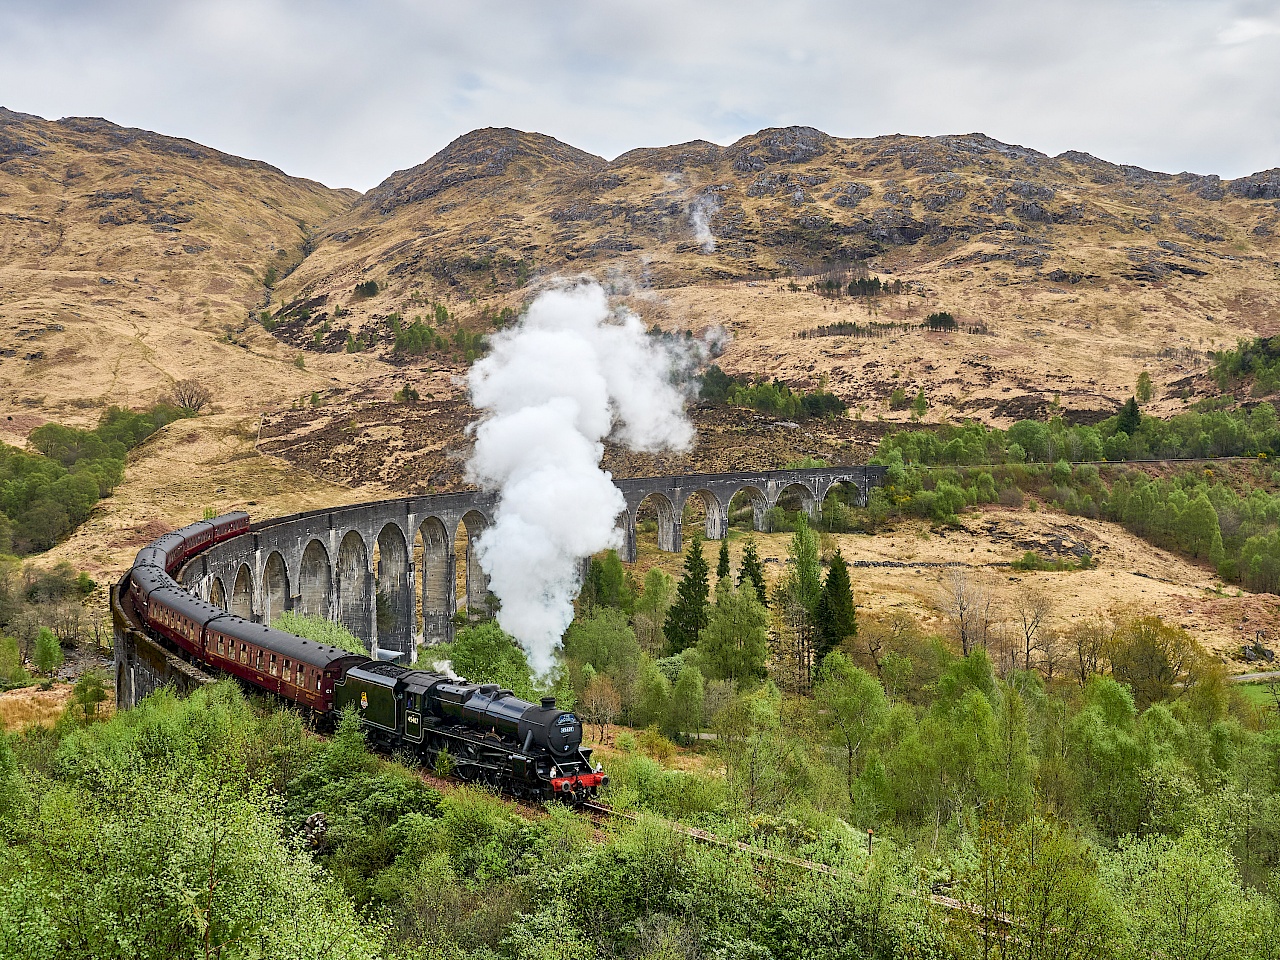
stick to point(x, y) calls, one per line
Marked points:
point(133, 259)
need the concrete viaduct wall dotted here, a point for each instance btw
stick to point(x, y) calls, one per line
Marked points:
point(399, 555)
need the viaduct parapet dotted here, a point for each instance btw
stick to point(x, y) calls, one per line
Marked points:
point(389, 572)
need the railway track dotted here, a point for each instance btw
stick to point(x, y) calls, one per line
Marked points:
point(601, 813)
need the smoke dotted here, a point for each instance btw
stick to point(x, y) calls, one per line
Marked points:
point(704, 207)
point(571, 373)
point(714, 341)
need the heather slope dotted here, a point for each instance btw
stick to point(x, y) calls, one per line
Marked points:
point(129, 260)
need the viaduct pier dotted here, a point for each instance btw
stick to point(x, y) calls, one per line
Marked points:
point(388, 571)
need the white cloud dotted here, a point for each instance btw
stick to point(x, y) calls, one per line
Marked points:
point(346, 93)
point(1247, 30)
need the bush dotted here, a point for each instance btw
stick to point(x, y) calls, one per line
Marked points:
point(365, 289)
point(319, 630)
point(654, 745)
point(769, 397)
point(47, 657)
point(44, 496)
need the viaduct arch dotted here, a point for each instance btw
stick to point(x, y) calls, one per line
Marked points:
point(389, 572)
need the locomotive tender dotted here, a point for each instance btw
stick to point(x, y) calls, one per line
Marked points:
point(480, 732)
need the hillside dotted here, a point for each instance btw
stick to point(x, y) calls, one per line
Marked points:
point(132, 260)
point(129, 260)
point(1079, 272)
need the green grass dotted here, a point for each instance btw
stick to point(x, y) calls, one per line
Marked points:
point(1258, 694)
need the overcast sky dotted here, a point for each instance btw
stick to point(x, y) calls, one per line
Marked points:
point(347, 92)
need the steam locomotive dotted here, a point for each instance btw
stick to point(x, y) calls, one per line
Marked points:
point(479, 732)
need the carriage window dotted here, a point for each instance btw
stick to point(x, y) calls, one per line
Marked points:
point(220, 647)
point(259, 660)
point(273, 664)
point(317, 681)
point(244, 654)
point(285, 671)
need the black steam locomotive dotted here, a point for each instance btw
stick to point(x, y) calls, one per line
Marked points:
point(479, 732)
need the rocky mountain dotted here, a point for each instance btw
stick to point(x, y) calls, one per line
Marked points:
point(1067, 275)
point(780, 201)
point(129, 260)
point(132, 259)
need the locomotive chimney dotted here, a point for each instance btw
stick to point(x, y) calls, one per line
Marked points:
point(548, 703)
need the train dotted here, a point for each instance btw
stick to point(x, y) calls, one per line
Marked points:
point(479, 732)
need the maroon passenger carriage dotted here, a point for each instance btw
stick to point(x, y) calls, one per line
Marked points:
point(489, 735)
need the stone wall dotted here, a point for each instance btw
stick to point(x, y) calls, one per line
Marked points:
point(143, 666)
point(414, 556)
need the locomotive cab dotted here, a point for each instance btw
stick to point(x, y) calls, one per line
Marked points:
point(375, 690)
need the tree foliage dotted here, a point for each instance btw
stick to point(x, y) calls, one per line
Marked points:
point(734, 645)
point(751, 570)
point(688, 615)
point(46, 495)
point(834, 614)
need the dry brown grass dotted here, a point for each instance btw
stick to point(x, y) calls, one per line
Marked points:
point(32, 707)
point(1129, 571)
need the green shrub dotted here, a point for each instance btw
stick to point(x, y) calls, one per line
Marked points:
point(46, 495)
point(319, 630)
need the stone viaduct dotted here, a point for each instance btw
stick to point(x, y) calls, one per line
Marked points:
point(388, 571)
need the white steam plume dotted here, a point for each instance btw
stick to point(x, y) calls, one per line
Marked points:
point(570, 374)
point(704, 207)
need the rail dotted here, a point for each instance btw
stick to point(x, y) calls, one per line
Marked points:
point(605, 812)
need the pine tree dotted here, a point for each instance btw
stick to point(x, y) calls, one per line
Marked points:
point(1129, 418)
point(735, 644)
point(722, 565)
point(752, 571)
point(589, 597)
point(836, 617)
point(688, 615)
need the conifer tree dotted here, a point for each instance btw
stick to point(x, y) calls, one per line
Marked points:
point(836, 618)
point(735, 644)
point(1129, 418)
point(688, 615)
point(722, 565)
point(752, 571)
